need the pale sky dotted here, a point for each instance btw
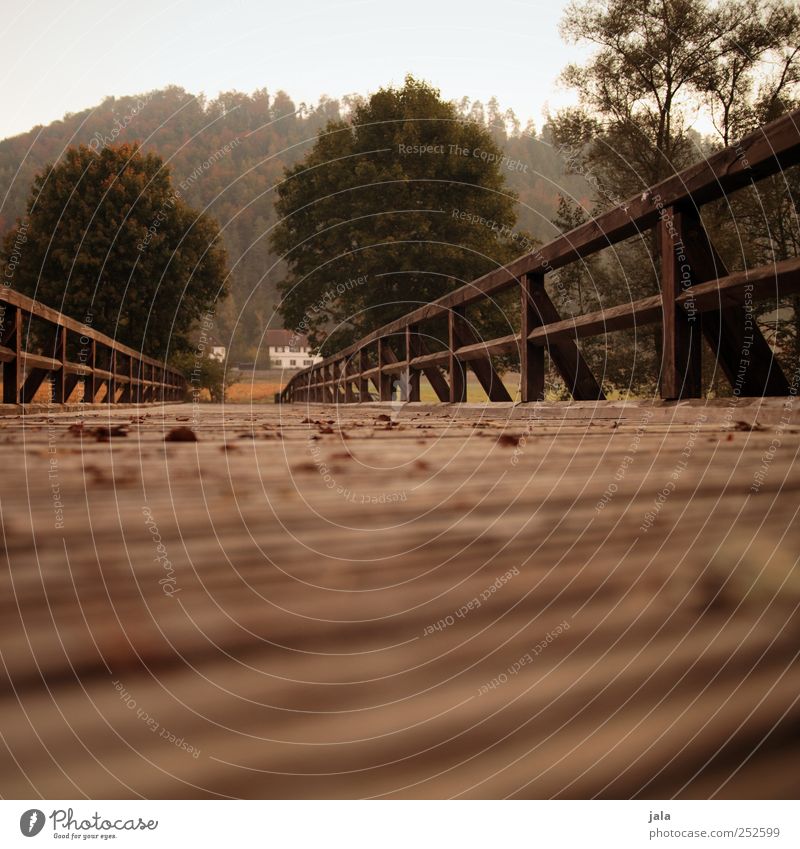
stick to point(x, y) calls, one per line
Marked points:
point(62, 56)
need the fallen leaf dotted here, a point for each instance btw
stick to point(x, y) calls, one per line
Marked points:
point(181, 434)
point(104, 434)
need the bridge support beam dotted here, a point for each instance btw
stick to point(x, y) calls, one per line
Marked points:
point(733, 330)
point(487, 376)
point(412, 374)
point(681, 372)
point(12, 369)
point(456, 322)
point(433, 373)
point(538, 310)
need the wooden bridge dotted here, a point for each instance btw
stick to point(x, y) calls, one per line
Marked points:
point(588, 598)
point(699, 300)
point(38, 343)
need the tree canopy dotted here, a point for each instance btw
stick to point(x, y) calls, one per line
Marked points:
point(659, 69)
point(390, 209)
point(108, 240)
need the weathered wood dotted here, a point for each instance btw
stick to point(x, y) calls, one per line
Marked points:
point(732, 331)
point(623, 317)
point(732, 290)
point(412, 374)
point(12, 368)
point(531, 358)
point(30, 386)
point(489, 379)
point(60, 379)
point(456, 370)
point(681, 365)
point(300, 653)
point(566, 356)
point(432, 372)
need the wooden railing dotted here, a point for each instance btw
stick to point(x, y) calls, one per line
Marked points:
point(699, 299)
point(73, 353)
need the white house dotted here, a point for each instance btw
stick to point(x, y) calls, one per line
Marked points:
point(288, 350)
point(217, 352)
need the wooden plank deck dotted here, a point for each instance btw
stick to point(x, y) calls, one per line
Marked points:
point(569, 600)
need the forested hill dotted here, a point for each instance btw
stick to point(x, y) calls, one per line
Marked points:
point(227, 155)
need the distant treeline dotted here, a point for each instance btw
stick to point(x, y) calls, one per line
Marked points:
point(226, 156)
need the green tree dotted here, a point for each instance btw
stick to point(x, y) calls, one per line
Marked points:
point(391, 209)
point(204, 372)
point(108, 240)
point(657, 66)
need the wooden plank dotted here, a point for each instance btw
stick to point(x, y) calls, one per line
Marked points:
point(355, 683)
point(681, 367)
point(363, 381)
point(432, 372)
point(489, 379)
point(28, 305)
point(412, 374)
point(12, 368)
point(479, 350)
point(623, 317)
point(761, 283)
point(566, 356)
point(455, 368)
point(111, 383)
point(732, 332)
point(385, 356)
point(60, 394)
point(437, 358)
point(532, 366)
point(34, 379)
point(37, 361)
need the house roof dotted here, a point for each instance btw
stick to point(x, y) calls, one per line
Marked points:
point(285, 337)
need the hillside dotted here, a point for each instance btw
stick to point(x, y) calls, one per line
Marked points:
point(227, 155)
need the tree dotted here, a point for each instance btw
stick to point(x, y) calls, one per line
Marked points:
point(657, 67)
point(109, 241)
point(640, 88)
point(204, 372)
point(391, 209)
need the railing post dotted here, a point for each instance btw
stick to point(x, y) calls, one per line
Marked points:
point(363, 382)
point(412, 374)
point(384, 380)
point(12, 370)
point(681, 373)
point(458, 383)
point(333, 384)
point(60, 354)
point(112, 381)
point(90, 381)
point(531, 356)
point(347, 373)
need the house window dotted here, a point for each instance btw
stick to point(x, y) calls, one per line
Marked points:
point(306, 362)
point(292, 362)
point(294, 349)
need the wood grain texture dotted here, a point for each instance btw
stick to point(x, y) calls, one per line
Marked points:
point(544, 600)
